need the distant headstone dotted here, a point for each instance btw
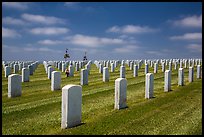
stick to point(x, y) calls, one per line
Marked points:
point(7, 71)
point(122, 71)
point(181, 77)
point(55, 80)
point(135, 71)
point(190, 76)
point(25, 75)
point(84, 77)
point(146, 68)
point(167, 81)
point(16, 68)
point(50, 69)
point(198, 71)
point(105, 74)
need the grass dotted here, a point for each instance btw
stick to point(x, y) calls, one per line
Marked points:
point(38, 110)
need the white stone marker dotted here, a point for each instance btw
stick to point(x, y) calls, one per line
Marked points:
point(56, 80)
point(135, 71)
point(112, 67)
point(190, 75)
point(84, 77)
point(100, 68)
point(170, 66)
point(14, 85)
point(63, 67)
point(71, 70)
point(149, 85)
point(181, 63)
point(122, 71)
point(77, 66)
point(198, 71)
point(49, 74)
point(120, 93)
point(105, 74)
point(71, 106)
point(15, 69)
point(7, 71)
point(146, 68)
point(25, 75)
point(155, 67)
point(20, 66)
point(181, 77)
point(167, 81)
point(163, 66)
point(30, 69)
point(131, 65)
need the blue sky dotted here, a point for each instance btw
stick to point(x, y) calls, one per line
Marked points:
point(105, 30)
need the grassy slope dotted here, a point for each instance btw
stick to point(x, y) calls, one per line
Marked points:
point(38, 110)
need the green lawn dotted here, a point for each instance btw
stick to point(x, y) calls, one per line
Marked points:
point(38, 110)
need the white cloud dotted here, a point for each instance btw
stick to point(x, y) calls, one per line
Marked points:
point(13, 21)
point(9, 33)
point(126, 49)
point(92, 41)
point(49, 30)
point(15, 5)
point(48, 20)
point(51, 42)
point(195, 47)
point(131, 29)
point(188, 36)
point(192, 21)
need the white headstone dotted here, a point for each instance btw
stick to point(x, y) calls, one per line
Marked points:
point(14, 85)
point(146, 68)
point(122, 71)
point(100, 68)
point(30, 69)
point(71, 106)
point(135, 71)
point(167, 81)
point(155, 67)
point(190, 75)
point(7, 71)
point(25, 75)
point(198, 71)
point(63, 67)
point(84, 77)
point(120, 93)
point(55, 80)
point(181, 77)
point(16, 68)
point(163, 66)
point(105, 74)
point(71, 70)
point(50, 69)
point(149, 85)
point(112, 67)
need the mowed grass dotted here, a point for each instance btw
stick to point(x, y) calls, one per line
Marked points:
point(38, 110)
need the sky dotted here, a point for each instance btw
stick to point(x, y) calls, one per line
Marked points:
point(105, 30)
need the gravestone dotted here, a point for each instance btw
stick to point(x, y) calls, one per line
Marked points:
point(25, 75)
point(122, 71)
point(120, 93)
point(149, 85)
point(163, 66)
point(55, 80)
point(100, 68)
point(155, 67)
point(14, 85)
point(181, 77)
point(71, 106)
point(135, 71)
point(170, 66)
point(71, 70)
point(146, 68)
point(198, 71)
point(84, 77)
point(16, 68)
point(7, 71)
point(190, 75)
point(30, 69)
point(167, 81)
point(105, 74)
point(112, 67)
point(50, 69)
